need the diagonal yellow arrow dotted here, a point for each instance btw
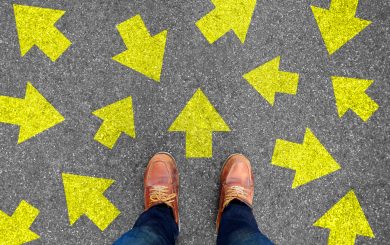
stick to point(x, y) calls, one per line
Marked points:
point(198, 120)
point(84, 196)
point(34, 114)
point(310, 160)
point(15, 229)
point(117, 118)
point(345, 220)
point(350, 95)
point(338, 25)
point(144, 53)
point(35, 26)
point(268, 80)
point(228, 15)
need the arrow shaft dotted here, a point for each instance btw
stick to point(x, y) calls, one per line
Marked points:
point(101, 211)
point(346, 7)
point(53, 43)
point(199, 144)
point(12, 110)
point(214, 25)
point(364, 106)
point(287, 154)
point(107, 134)
point(341, 237)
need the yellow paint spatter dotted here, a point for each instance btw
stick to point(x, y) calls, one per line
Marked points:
point(228, 15)
point(310, 160)
point(84, 196)
point(35, 26)
point(198, 120)
point(144, 53)
point(338, 25)
point(15, 229)
point(117, 118)
point(268, 80)
point(34, 114)
point(350, 95)
point(345, 220)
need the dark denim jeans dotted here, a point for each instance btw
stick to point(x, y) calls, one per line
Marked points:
point(157, 227)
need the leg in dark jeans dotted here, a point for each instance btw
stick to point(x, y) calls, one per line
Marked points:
point(238, 226)
point(156, 226)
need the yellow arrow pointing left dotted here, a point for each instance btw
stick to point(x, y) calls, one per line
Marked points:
point(117, 118)
point(345, 220)
point(34, 114)
point(228, 15)
point(84, 196)
point(145, 53)
point(15, 229)
point(35, 26)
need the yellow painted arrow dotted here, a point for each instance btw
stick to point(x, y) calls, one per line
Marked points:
point(15, 229)
point(268, 80)
point(350, 95)
point(228, 15)
point(310, 160)
point(84, 196)
point(345, 220)
point(117, 118)
point(199, 119)
point(35, 26)
point(338, 25)
point(144, 53)
point(34, 114)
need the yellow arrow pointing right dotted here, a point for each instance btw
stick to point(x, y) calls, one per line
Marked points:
point(84, 196)
point(35, 26)
point(15, 229)
point(268, 80)
point(144, 53)
point(310, 160)
point(345, 220)
point(350, 95)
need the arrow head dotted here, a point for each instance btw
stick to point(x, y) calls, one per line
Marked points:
point(84, 195)
point(345, 220)
point(337, 28)
point(144, 53)
point(39, 113)
point(268, 80)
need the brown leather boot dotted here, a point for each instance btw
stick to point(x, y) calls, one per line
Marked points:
point(161, 183)
point(236, 183)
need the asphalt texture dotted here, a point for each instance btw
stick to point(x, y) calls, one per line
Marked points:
point(85, 78)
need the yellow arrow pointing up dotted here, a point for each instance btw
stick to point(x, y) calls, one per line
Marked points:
point(34, 114)
point(117, 118)
point(84, 196)
point(345, 220)
point(144, 53)
point(15, 229)
point(35, 26)
point(228, 15)
point(338, 25)
point(350, 95)
point(199, 119)
point(310, 160)
point(268, 80)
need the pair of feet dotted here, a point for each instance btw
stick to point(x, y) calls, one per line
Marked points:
point(161, 183)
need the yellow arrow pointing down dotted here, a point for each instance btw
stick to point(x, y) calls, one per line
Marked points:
point(35, 26)
point(228, 15)
point(15, 229)
point(345, 220)
point(199, 119)
point(34, 114)
point(310, 160)
point(117, 118)
point(144, 53)
point(350, 95)
point(84, 196)
point(268, 80)
point(338, 25)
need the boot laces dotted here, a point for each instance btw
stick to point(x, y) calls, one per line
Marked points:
point(160, 194)
point(234, 192)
